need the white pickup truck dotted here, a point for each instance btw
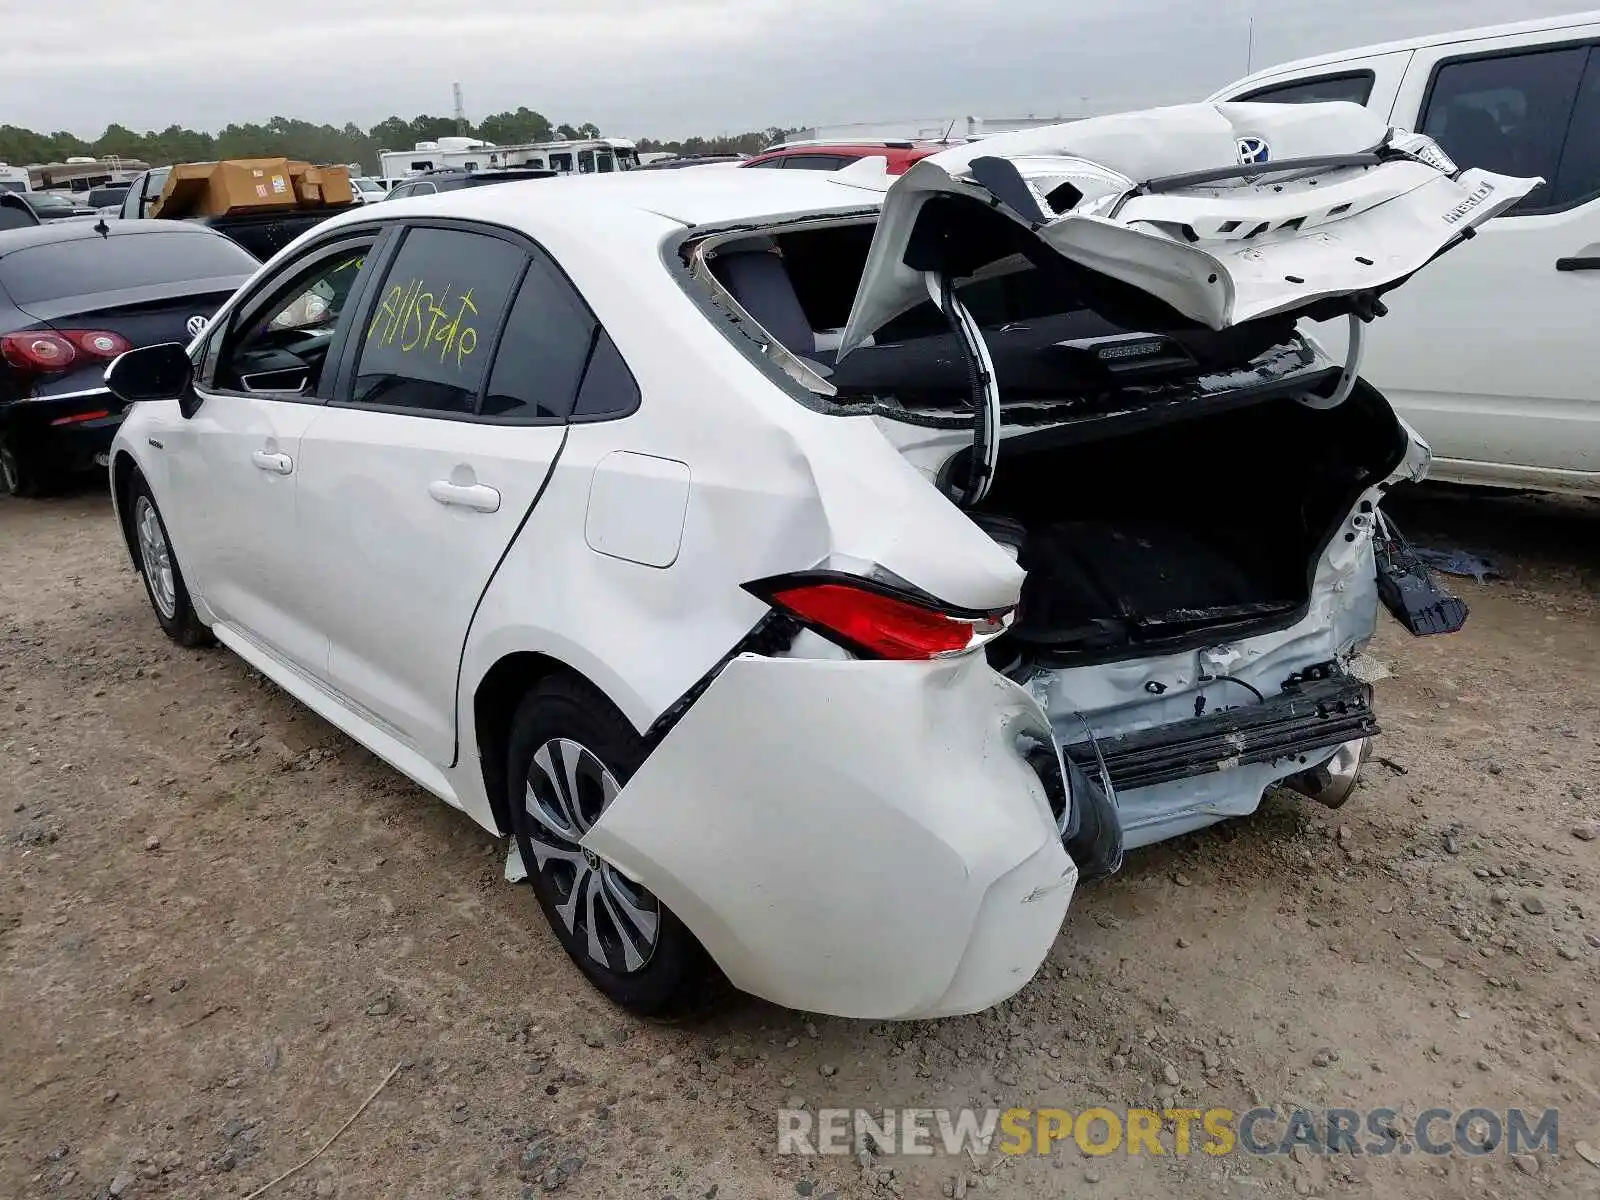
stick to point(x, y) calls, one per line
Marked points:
point(1492, 353)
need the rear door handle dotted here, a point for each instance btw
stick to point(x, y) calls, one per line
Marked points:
point(465, 495)
point(1578, 264)
point(278, 464)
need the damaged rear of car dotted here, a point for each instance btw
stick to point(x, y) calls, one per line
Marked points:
point(1084, 340)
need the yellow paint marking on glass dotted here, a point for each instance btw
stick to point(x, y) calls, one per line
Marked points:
point(421, 320)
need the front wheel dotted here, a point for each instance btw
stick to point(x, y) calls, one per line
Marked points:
point(571, 752)
point(158, 566)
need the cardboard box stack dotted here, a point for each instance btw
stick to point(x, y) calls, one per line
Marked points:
point(244, 185)
point(317, 187)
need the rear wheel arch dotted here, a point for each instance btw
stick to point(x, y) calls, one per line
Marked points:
point(494, 706)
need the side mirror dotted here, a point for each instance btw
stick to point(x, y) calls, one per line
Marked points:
point(161, 372)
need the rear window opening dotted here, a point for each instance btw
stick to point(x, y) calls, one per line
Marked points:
point(1064, 340)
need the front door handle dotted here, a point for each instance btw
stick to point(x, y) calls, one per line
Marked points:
point(465, 495)
point(1583, 263)
point(278, 464)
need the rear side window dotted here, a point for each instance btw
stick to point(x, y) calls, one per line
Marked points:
point(1509, 113)
point(543, 351)
point(609, 388)
point(428, 341)
point(1352, 86)
point(16, 216)
point(87, 265)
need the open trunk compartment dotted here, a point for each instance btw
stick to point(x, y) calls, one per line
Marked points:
point(1208, 527)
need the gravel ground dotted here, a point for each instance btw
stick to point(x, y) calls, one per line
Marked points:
point(223, 924)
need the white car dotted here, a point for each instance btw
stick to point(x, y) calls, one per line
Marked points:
point(366, 190)
point(1491, 355)
point(813, 576)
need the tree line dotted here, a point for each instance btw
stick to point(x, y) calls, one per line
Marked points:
point(288, 138)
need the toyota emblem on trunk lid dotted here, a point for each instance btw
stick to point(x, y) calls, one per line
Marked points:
point(1254, 150)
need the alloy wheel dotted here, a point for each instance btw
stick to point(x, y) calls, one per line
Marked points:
point(613, 920)
point(155, 558)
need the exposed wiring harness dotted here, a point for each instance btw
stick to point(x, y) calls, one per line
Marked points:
point(1200, 700)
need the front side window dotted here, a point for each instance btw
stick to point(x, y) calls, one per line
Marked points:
point(561, 162)
point(280, 344)
point(1354, 87)
point(431, 330)
point(1508, 114)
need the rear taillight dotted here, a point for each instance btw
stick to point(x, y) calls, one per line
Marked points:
point(45, 350)
point(875, 621)
point(79, 418)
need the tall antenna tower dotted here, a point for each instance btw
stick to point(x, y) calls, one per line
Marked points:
point(461, 110)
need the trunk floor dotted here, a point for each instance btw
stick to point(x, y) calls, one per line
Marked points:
point(1098, 579)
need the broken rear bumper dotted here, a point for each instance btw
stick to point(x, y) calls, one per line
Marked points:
point(1288, 728)
point(864, 839)
point(1176, 778)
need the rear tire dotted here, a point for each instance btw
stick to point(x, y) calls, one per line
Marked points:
point(18, 477)
point(571, 751)
point(158, 567)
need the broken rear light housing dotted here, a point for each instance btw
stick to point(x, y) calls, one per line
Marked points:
point(878, 620)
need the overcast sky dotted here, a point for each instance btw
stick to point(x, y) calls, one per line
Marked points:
point(662, 68)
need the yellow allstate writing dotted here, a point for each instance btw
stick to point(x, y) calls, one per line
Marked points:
point(418, 320)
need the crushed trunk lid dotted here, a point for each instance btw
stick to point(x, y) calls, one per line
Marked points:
point(1218, 213)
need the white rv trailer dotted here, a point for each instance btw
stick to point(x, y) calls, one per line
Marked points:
point(583, 156)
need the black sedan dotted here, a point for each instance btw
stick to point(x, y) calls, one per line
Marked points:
point(52, 206)
point(73, 296)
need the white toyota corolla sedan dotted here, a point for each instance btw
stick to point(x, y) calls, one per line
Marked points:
point(815, 578)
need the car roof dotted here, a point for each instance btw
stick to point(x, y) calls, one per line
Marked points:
point(52, 232)
point(857, 149)
point(644, 197)
point(1540, 25)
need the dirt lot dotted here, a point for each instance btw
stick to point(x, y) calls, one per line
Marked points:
point(222, 924)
